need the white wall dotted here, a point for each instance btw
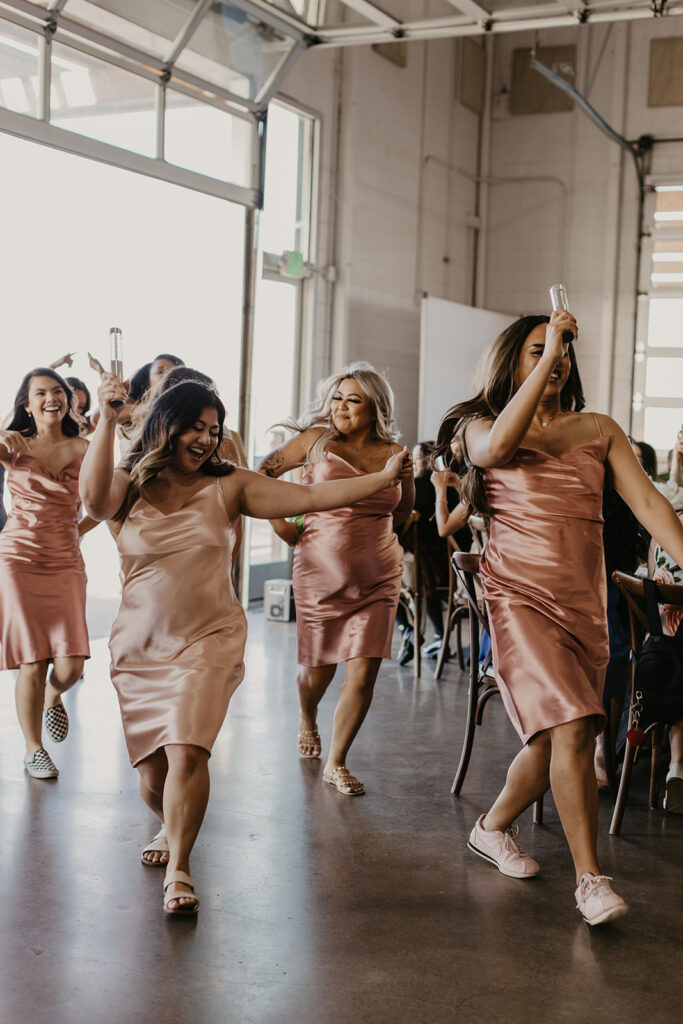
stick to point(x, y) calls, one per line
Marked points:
point(400, 232)
point(386, 131)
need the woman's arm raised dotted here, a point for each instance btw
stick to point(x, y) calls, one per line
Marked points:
point(495, 442)
point(634, 485)
point(103, 489)
point(407, 502)
point(264, 498)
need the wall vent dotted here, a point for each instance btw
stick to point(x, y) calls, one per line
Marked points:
point(665, 85)
point(531, 93)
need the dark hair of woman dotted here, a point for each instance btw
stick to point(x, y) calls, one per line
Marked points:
point(176, 360)
point(24, 423)
point(649, 459)
point(77, 385)
point(139, 383)
point(184, 373)
point(499, 387)
point(171, 413)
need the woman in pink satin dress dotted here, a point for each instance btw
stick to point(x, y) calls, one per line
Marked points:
point(536, 468)
point(42, 576)
point(347, 563)
point(177, 645)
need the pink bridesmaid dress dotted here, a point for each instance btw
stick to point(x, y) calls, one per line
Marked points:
point(543, 575)
point(42, 575)
point(177, 645)
point(346, 574)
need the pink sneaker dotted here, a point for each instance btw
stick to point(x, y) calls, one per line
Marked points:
point(501, 849)
point(597, 902)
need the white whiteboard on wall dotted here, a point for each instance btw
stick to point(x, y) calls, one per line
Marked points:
point(453, 338)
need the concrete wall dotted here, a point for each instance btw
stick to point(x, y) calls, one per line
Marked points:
point(395, 222)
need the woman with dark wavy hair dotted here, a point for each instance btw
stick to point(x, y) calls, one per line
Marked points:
point(178, 642)
point(537, 468)
point(42, 576)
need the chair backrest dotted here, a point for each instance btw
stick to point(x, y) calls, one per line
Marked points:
point(466, 565)
point(634, 593)
point(479, 531)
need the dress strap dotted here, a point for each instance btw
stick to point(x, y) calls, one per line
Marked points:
point(597, 424)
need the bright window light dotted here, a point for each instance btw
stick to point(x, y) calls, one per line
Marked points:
point(666, 278)
point(668, 188)
point(667, 257)
point(78, 88)
point(14, 95)
point(669, 215)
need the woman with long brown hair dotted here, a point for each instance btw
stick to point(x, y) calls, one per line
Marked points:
point(347, 562)
point(177, 645)
point(42, 576)
point(537, 468)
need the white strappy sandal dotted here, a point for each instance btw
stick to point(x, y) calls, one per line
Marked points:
point(182, 909)
point(159, 844)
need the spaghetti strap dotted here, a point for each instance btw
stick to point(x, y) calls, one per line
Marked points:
point(597, 424)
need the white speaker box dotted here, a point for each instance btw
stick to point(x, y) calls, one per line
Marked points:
point(278, 600)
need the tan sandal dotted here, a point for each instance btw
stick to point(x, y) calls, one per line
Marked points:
point(306, 740)
point(159, 844)
point(343, 781)
point(183, 909)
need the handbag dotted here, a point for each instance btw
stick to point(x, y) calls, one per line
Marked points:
point(658, 679)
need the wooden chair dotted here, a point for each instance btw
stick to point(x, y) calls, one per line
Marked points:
point(456, 613)
point(632, 589)
point(482, 684)
point(480, 533)
point(411, 590)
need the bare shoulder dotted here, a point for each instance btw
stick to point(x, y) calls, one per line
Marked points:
point(232, 486)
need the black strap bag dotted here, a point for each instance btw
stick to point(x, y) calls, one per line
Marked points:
point(659, 668)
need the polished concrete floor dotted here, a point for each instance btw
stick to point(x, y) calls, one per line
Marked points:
point(317, 907)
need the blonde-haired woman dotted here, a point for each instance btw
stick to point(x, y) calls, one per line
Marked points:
point(177, 644)
point(347, 562)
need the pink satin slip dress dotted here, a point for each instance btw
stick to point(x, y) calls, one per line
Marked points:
point(42, 575)
point(177, 646)
point(543, 576)
point(346, 574)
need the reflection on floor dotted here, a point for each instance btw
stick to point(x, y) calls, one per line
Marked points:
point(317, 907)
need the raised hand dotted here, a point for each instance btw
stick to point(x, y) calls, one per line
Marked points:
point(13, 442)
point(560, 321)
point(111, 390)
point(95, 364)
point(398, 466)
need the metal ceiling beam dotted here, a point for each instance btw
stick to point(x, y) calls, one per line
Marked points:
point(469, 7)
point(373, 13)
point(188, 29)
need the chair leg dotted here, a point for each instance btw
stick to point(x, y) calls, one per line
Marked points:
point(458, 640)
point(472, 697)
point(624, 782)
point(655, 766)
point(538, 811)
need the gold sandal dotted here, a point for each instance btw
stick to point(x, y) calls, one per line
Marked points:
point(307, 739)
point(191, 904)
point(343, 781)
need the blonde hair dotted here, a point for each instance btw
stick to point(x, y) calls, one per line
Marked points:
point(377, 389)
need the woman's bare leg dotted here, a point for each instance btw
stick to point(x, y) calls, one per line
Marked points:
point(65, 673)
point(352, 707)
point(152, 772)
point(30, 696)
point(527, 780)
point(186, 794)
point(572, 780)
point(312, 684)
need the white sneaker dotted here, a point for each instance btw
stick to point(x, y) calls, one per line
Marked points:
point(40, 765)
point(673, 799)
point(597, 901)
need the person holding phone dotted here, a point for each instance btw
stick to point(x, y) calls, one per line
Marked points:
point(537, 469)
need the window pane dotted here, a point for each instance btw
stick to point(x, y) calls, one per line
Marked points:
point(664, 378)
point(281, 227)
point(665, 323)
point(235, 50)
point(102, 101)
point(207, 140)
point(662, 426)
point(150, 26)
point(669, 204)
point(18, 69)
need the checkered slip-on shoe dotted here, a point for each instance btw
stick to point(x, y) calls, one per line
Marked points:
point(41, 765)
point(56, 722)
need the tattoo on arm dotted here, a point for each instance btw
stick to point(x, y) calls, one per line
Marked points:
point(272, 463)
